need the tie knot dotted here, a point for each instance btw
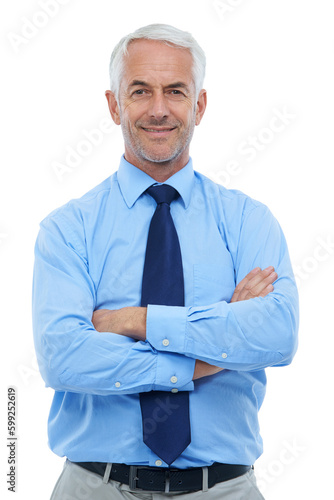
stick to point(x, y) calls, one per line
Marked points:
point(163, 193)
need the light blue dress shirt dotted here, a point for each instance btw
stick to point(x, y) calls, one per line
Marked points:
point(90, 255)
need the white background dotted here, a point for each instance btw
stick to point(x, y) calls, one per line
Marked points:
point(262, 55)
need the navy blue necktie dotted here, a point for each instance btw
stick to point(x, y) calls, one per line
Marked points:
point(166, 424)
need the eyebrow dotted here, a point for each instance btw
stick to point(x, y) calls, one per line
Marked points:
point(137, 83)
point(178, 85)
point(141, 83)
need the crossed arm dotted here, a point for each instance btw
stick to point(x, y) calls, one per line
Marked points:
point(131, 321)
point(83, 350)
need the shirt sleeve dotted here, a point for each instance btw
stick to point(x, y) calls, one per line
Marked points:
point(72, 355)
point(247, 335)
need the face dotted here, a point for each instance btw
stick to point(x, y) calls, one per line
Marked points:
point(157, 107)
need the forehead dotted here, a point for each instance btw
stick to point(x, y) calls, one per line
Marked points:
point(153, 60)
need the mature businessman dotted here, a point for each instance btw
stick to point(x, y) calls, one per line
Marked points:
point(159, 300)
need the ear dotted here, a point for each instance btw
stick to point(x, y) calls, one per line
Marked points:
point(113, 106)
point(201, 106)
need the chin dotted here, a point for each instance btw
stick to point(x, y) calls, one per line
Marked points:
point(159, 156)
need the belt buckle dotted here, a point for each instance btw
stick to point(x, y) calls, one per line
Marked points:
point(133, 477)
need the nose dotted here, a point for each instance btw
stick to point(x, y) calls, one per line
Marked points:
point(158, 107)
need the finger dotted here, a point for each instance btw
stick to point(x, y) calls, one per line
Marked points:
point(240, 286)
point(255, 286)
point(266, 291)
point(252, 279)
point(259, 287)
point(262, 285)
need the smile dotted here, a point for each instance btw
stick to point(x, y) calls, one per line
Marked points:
point(158, 130)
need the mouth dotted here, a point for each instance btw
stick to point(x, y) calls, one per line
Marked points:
point(158, 131)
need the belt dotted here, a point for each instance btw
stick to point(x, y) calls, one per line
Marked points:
point(163, 479)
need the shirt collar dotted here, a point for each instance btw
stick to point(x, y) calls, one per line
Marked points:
point(133, 182)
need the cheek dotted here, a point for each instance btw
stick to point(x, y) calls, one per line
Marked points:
point(186, 114)
point(132, 112)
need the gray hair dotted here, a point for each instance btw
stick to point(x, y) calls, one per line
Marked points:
point(167, 34)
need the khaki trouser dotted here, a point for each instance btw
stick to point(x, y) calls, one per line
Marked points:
point(76, 483)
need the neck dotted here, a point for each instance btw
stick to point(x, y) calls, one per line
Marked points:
point(159, 171)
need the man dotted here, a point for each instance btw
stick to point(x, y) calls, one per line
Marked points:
point(156, 317)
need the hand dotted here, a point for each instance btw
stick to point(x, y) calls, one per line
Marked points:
point(257, 283)
point(203, 369)
point(128, 321)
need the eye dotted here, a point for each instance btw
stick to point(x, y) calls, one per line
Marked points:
point(176, 93)
point(139, 92)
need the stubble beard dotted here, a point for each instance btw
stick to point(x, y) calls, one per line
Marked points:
point(152, 155)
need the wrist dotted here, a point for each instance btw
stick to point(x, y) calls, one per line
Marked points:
point(136, 325)
point(203, 369)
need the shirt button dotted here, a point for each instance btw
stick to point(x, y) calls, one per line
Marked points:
point(173, 379)
point(224, 355)
point(175, 390)
point(117, 384)
point(158, 463)
point(165, 342)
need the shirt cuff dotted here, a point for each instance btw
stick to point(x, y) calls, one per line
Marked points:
point(165, 328)
point(174, 373)
point(165, 331)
